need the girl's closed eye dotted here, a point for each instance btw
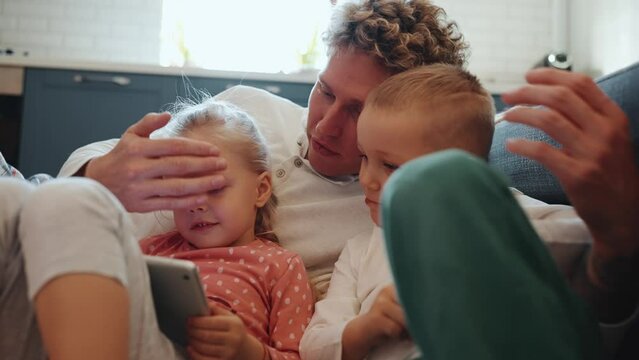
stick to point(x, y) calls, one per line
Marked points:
point(390, 167)
point(217, 191)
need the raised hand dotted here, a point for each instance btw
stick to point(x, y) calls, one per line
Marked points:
point(158, 174)
point(222, 335)
point(595, 165)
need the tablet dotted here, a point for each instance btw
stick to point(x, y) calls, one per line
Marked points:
point(177, 295)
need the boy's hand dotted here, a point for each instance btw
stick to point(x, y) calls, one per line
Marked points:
point(385, 320)
point(222, 335)
point(159, 174)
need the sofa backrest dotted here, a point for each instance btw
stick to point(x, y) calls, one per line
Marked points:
point(534, 179)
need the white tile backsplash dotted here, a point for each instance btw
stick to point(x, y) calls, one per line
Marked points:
point(93, 30)
point(507, 36)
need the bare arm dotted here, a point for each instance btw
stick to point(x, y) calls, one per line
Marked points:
point(159, 174)
point(597, 169)
point(84, 316)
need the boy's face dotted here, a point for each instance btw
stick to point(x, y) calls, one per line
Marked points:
point(228, 216)
point(387, 139)
point(334, 105)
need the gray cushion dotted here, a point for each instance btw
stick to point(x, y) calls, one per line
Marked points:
point(535, 180)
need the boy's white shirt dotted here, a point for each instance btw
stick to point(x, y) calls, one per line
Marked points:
point(362, 271)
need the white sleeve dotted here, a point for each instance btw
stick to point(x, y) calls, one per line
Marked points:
point(567, 238)
point(560, 228)
point(323, 336)
point(144, 224)
point(82, 155)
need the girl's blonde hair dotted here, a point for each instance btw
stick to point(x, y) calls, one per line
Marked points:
point(231, 125)
point(400, 34)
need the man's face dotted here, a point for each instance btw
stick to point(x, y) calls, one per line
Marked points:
point(334, 106)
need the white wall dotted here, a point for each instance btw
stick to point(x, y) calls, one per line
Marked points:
point(604, 35)
point(507, 37)
point(106, 30)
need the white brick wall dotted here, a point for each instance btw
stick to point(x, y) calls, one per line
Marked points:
point(507, 36)
point(604, 35)
point(100, 30)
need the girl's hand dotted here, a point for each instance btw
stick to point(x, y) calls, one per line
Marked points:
point(384, 321)
point(222, 335)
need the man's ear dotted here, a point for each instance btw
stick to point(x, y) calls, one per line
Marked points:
point(264, 189)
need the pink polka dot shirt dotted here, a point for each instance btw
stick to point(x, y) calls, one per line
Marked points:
point(261, 282)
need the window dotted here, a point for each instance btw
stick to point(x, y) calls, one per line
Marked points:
point(250, 35)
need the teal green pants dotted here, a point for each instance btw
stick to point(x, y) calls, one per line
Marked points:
point(474, 278)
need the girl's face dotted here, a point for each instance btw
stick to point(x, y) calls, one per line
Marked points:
point(387, 139)
point(228, 216)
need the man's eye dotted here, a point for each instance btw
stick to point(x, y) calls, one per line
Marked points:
point(323, 91)
point(354, 112)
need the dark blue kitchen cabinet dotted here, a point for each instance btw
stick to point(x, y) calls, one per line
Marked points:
point(294, 91)
point(65, 109)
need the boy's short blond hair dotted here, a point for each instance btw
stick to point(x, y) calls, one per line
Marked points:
point(459, 111)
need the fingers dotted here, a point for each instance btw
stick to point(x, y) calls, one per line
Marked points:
point(167, 203)
point(198, 350)
point(182, 187)
point(216, 336)
point(388, 307)
point(218, 310)
point(581, 84)
point(207, 336)
point(177, 166)
point(214, 322)
point(149, 123)
point(558, 98)
point(172, 193)
point(552, 158)
point(172, 147)
point(550, 122)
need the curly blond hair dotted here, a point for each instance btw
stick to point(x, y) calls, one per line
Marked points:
point(400, 34)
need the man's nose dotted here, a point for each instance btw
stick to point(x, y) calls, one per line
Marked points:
point(330, 125)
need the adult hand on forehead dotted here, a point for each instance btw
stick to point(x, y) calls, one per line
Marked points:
point(595, 165)
point(158, 174)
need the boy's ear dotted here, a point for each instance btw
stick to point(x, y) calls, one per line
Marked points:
point(264, 189)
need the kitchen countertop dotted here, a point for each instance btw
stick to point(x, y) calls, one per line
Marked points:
point(306, 77)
